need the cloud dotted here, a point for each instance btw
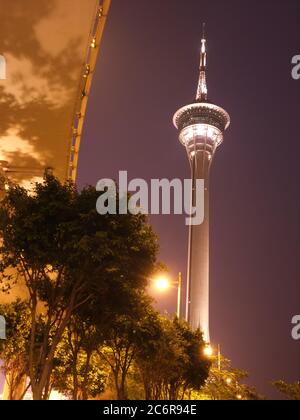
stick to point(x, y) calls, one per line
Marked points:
point(45, 46)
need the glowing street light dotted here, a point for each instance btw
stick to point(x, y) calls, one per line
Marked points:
point(208, 351)
point(163, 284)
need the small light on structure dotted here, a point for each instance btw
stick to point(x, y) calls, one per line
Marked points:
point(228, 381)
point(100, 12)
point(93, 44)
point(87, 71)
point(239, 397)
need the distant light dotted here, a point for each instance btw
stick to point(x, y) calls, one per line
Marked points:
point(56, 396)
point(208, 351)
point(93, 44)
point(239, 397)
point(162, 283)
point(87, 71)
point(228, 381)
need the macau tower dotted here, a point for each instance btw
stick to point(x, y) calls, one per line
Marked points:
point(201, 127)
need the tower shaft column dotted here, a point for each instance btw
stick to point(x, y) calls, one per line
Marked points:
point(198, 260)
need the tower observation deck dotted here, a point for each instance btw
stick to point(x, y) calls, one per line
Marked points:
point(201, 127)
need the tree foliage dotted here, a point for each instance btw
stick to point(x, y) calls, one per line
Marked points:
point(290, 391)
point(226, 383)
point(78, 372)
point(173, 362)
point(71, 260)
point(128, 335)
point(13, 350)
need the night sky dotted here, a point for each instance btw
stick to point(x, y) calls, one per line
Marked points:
point(148, 68)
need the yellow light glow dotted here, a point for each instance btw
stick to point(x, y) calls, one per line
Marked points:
point(239, 397)
point(228, 381)
point(55, 396)
point(208, 351)
point(162, 283)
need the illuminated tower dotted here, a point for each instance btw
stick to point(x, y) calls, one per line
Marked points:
point(201, 128)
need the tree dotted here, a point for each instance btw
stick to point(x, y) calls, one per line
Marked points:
point(290, 391)
point(173, 362)
point(195, 365)
point(13, 349)
point(127, 335)
point(225, 383)
point(69, 258)
point(78, 370)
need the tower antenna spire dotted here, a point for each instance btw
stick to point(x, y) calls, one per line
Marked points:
point(202, 84)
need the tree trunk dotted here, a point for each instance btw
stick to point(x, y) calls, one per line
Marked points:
point(37, 392)
point(75, 381)
point(85, 395)
point(44, 376)
point(116, 378)
point(123, 390)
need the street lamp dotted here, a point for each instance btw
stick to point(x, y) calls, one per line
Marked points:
point(163, 284)
point(208, 351)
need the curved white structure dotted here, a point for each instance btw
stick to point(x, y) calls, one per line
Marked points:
point(50, 51)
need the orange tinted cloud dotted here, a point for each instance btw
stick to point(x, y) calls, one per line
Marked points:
point(45, 46)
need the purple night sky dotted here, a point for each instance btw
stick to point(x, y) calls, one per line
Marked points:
point(148, 69)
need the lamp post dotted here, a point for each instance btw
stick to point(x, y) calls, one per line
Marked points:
point(209, 351)
point(219, 357)
point(179, 287)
